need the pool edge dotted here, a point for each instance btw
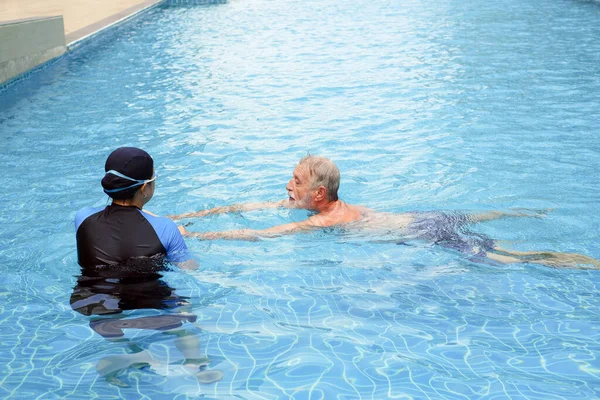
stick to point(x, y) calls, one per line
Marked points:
point(83, 35)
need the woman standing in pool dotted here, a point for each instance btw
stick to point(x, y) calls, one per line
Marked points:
point(122, 251)
point(121, 248)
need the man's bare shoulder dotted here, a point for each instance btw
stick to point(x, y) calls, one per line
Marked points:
point(351, 213)
point(343, 214)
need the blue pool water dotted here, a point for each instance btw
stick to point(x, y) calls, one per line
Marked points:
point(424, 105)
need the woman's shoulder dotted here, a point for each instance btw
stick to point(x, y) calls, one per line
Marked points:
point(158, 221)
point(84, 213)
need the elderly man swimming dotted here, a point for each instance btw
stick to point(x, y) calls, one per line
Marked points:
point(314, 186)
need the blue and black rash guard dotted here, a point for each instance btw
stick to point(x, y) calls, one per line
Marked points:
point(121, 251)
point(114, 234)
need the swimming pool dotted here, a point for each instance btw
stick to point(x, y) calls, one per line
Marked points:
point(433, 105)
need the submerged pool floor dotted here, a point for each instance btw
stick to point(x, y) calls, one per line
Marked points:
point(423, 106)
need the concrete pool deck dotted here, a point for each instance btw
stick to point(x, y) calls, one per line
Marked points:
point(81, 17)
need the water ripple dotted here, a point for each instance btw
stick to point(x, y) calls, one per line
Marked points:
point(423, 106)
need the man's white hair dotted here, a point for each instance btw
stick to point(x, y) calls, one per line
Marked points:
point(323, 172)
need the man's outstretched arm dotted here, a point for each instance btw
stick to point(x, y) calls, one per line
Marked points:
point(232, 208)
point(254, 234)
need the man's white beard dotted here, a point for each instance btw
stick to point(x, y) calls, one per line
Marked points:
point(305, 202)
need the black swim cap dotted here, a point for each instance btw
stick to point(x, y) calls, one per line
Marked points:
point(129, 161)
